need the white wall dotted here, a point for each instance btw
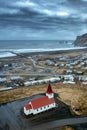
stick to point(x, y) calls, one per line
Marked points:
point(28, 112)
point(35, 111)
point(50, 95)
point(44, 108)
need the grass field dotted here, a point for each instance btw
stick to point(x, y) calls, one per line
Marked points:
point(73, 95)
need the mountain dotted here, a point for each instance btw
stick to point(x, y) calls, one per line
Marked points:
point(81, 40)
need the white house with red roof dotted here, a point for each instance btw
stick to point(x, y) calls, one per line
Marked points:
point(41, 104)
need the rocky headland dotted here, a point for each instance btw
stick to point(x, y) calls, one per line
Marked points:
point(81, 40)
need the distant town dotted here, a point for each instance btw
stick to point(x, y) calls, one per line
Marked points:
point(21, 71)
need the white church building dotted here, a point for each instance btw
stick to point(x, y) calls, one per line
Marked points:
point(41, 104)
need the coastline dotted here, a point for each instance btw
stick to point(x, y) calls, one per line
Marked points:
point(57, 51)
point(28, 52)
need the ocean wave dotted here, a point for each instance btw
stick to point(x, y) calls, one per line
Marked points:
point(11, 52)
point(6, 54)
point(38, 50)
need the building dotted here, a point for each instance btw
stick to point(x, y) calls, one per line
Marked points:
point(41, 104)
point(3, 80)
point(68, 77)
point(27, 83)
point(84, 82)
point(50, 62)
point(15, 78)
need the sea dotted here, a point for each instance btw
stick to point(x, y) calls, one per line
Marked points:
point(24, 46)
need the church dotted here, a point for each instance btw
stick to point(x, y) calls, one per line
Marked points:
point(41, 104)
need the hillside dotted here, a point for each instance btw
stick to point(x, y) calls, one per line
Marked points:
point(81, 40)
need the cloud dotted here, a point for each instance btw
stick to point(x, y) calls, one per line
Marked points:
point(8, 11)
point(42, 19)
point(25, 4)
point(54, 13)
point(84, 0)
point(42, 8)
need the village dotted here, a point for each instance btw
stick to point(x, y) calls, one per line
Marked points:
point(57, 81)
point(43, 68)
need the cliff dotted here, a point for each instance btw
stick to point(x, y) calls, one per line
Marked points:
point(81, 40)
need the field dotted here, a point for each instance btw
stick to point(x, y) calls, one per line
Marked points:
point(72, 95)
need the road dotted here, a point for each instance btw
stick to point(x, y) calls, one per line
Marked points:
point(31, 59)
point(37, 74)
point(62, 122)
point(10, 114)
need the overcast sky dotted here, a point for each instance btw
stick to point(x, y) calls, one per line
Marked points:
point(42, 19)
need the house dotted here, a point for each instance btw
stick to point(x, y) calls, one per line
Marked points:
point(69, 78)
point(65, 58)
point(15, 78)
point(68, 65)
point(6, 65)
point(68, 82)
point(41, 104)
point(62, 65)
point(50, 62)
point(83, 78)
point(85, 82)
point(74, 63)
point(69, 71)
point(3, 80)
point(79, 72)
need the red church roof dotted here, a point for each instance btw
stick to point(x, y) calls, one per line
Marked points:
point(41, 102)
point(28, 107)
point(49, 89)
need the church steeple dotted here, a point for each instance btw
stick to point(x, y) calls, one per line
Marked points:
point(49, 92)
point(49, 89)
